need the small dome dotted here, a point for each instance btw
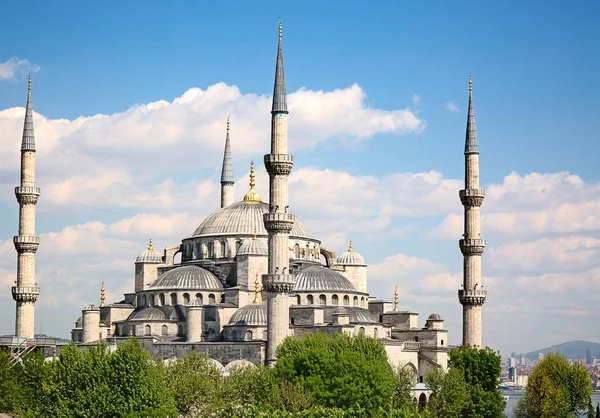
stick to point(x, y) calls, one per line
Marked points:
point(148, 314)
point(79, 322)
point(254, 246)
point(434, 317)
point(149, 255)
point(91, 307)
point(254, 314)
point(319, 278)
point(340, 311)
point(187, 277)
point(195, 303)
point(351, 258)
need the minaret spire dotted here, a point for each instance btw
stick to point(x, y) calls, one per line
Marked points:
point(472, 296)
point(279, 93)
point(26, 292)
point(278, 283)
point(227, 180)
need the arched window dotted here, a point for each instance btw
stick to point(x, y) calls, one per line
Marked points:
point(165, 330)
point(161, 299)
point(211, 250)
point(248, 335)
point(297, 251)
point(186, 298)
point(173, 299)
point(147, 330)
point(346, 300)
point(442, 342)
point(355, 300)
point(422, 401)
point(361, 330)
point(335, 300)
point(375, 332)
point(139, 300)
point(298, 300)
point(306, 254)
point(151, 300)
point(238, 244)
point(199, 298)
point(211, 299)
point(416, 339)
point(196, 251)
point(309, 299)
point(203, 251)
point(223, 249)
point(144, 300)
point(322, 300)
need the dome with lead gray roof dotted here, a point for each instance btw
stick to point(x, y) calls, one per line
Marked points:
point(241, 218)
point(187, 277)
point(149, 255)
point(321, 279)
point(254, 314)
point(148, 314)
point(351, 258)
point(254, 246)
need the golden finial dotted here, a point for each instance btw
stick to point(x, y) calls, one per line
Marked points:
point(256, 290)
point(470, 83)
point(150, 247)
point(396, 299)
point(252, 196)
point(102, 295)
point(280, 29)
point(228, 123)
point(29, 83)
point(350, 249)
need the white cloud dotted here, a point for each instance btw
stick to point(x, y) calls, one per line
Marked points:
point(416, 99)
point(452, 107)
point(14, 69)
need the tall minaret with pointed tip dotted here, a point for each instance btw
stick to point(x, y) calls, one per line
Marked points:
point(472, 296)
point(26, 292)
point(278, 283)
point(227, 173)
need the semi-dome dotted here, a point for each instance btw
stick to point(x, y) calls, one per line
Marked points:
point(90, 307)
point(355, 314)
point(319, 278)
point(254, 314)
point(434, 317)
point(187, 277)
point(351, 258)
point(241, 218)
point(254, 246)
point(148, 314)
point(150, 255)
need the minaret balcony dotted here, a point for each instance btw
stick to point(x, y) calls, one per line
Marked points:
point(27, 195)
point(26, 243)
point(471, 197)
point(279, 221)
point(278, 283)
point(25, 293)
point(472, 246)
point(279, 164)
point(472, 297)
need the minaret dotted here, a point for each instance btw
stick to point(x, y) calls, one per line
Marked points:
point(227, 173)
point(472, 296)
point(26, 292)
point(278, 283)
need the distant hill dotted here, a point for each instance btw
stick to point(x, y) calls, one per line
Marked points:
point(571, 349)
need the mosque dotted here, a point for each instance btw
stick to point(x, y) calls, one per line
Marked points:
point(251, 274)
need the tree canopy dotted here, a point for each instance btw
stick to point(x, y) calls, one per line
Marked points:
point(555, 389)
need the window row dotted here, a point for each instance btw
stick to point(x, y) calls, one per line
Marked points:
point(334, 300)
point(174, 299)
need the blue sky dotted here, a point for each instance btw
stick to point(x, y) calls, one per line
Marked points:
point(534, 67)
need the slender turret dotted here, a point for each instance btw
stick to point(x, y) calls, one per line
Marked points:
point(26, 292)
point(227, 173)
point(278, 283)
point(472, 296)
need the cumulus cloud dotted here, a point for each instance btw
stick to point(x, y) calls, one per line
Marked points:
point(452, 107)
point(15, 69)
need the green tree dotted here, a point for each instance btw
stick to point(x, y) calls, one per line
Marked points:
point(481, 371)
point(555, 389)
point(449, 396)
point(10, 389)
point(193, 380)
point(405, 379)
point(341, 371)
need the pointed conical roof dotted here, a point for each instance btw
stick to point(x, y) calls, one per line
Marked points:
point(28, 142)
point(471, 144)
point(279, 94)
point(227, 170)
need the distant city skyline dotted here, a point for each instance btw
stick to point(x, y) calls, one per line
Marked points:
point(131, 121)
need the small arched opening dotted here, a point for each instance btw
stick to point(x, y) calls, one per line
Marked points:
point(355, 300)
point(223, 249)
point(335, 300)
point(147, 330)
point(161, 299)
point(164, 331)
point(361, 331)
point(173, 299)
point(249, 335)
point(186, 298)
point(322, 300)
point(309, 299)
point(211, 299)
point(199, 298)
point(422, 401)
point(346, 300)
point(297, 251)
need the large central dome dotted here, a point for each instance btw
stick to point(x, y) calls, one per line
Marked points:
point(241, 218)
